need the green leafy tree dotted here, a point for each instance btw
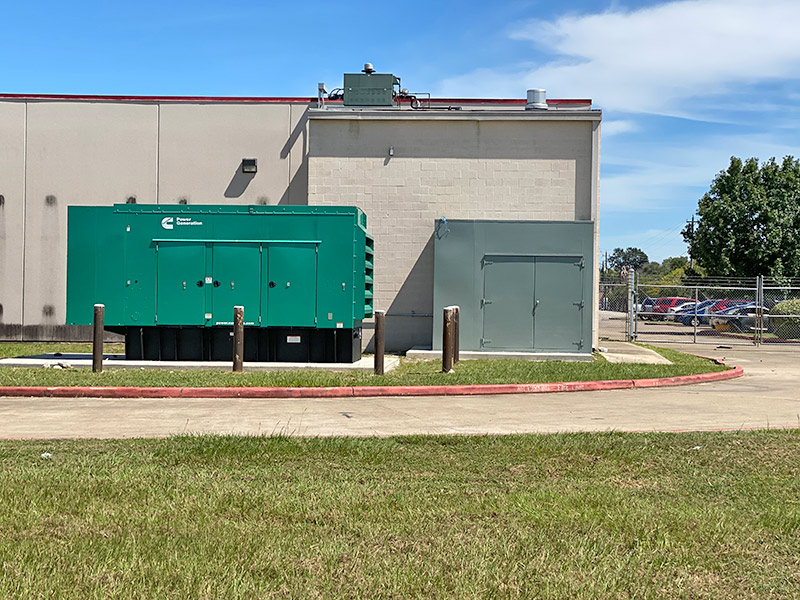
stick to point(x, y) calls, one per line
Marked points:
point(675, 262)
point(650, 270)
point(631, 258)
point(750, 220)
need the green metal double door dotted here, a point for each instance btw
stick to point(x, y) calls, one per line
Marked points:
point(533, 303)
point(199, 283)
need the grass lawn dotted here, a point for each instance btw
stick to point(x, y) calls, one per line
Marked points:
point(13, 349)
point(700, 515)
point(410, 372)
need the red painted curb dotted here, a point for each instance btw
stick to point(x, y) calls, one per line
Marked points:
point(364, 391)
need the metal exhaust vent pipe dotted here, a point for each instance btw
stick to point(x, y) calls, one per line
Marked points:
point(536, 100)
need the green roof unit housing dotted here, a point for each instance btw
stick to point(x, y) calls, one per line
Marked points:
point(369, 89)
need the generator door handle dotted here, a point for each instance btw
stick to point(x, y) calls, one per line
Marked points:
point(216, 283)
point(199, 283)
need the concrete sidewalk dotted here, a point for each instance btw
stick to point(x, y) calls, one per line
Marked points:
point(614, 352)
point(767, 396)
point(117, 361)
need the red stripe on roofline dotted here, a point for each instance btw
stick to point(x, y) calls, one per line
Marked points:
point(514, 101)
point(261, 100)
point(569, 101)
point(265, 100)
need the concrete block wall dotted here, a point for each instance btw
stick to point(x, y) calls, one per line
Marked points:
point(461, 169)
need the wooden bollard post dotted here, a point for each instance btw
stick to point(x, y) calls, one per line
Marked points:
point(238, 339)
point(380, 340)
point(447, 339)
point(457, 339)
point(97, 337)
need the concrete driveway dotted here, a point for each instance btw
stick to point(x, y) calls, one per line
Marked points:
point(767, 396)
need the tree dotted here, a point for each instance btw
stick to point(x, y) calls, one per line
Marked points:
point(675, 262)
point(673, 269)
point(631, 258)
point(750, 220)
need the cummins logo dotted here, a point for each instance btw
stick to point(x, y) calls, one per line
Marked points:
point(172, 222)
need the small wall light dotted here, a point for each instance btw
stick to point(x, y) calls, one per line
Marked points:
point(391, 150)
point(249, 165)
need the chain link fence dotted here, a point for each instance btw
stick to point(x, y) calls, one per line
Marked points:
point(614, 308)
point(728, 311)
point(781, 301)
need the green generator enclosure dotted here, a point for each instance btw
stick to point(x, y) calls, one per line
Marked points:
point(169, 277)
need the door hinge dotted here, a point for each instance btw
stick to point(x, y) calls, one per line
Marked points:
point(579, 304)
point(579, 344)
point(315, 320)
point(485, 341)
point(484, 302)
point(581, 263)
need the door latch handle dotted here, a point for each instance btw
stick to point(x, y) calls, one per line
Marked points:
point(216, 283)
point(535, 304)
point(199, 283)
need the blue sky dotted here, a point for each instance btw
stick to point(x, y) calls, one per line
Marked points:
point(683, 85)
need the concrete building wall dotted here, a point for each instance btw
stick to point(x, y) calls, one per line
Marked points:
point(12, 214)
point(487, 163)
point(77, 154)
point(201, 147)
point(463, 167)
point(57, 153)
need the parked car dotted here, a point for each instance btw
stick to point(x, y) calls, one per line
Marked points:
point(728, 303)
point(741, 318)
point(673, 310)
point(720, 320)
point(700, 312)
point(645, 308)
point(662, 305)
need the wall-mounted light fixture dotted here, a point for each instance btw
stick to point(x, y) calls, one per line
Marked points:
point(249, 165)
point(391, 150)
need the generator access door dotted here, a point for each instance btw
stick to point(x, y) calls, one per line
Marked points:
point(291, 284)
point(180, 283)
point(235, 281)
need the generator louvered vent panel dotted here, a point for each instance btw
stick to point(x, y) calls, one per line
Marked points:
point(369, 261)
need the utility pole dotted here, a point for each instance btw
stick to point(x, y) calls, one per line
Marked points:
point(691, 237)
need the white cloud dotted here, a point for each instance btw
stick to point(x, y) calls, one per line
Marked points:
point(652, 59)
point(619, 126)
point(670, 177)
